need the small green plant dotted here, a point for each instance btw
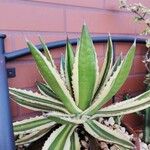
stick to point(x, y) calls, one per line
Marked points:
point(142, 15)
point(76, 96)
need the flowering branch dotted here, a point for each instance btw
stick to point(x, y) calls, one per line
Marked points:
point(142, 14)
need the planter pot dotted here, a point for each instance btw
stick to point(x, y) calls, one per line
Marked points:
point(134, 123)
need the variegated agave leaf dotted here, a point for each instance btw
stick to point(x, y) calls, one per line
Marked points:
point(60, 138)
point(32, 125)
point(36, 101)
point(76, 96)
point(126, 107)
point(107, 65)
point(62, 68)
point(30, 130)
point(34, 96)
point(46, 90)
point(104, 133)
point(85, 73)
point(31, 137)
point(47, 53)
point(75, 144)
point(69, 60)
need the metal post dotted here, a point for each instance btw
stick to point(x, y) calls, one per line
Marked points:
point(6, 128)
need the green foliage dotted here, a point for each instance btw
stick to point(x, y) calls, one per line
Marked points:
point(76, 96)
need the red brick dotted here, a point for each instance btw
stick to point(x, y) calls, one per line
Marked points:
point(24, 58)
point(141, 49)
point(139, 26)
point(26, 113)
point(124, 47)
point(139, 66)
point(87, 3)
point(26, 75)
point(120, 96)
point(100, 49)
point(56, 53)
point(99, 22)
point(14, 109)
point(27, 17)
point(133, 84)
point(19, 39)
point(9, 44)
point(112, 5)
point(100, 62)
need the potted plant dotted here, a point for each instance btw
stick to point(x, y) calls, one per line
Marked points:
point(72, 101)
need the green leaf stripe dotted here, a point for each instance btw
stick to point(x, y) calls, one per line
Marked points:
point(46, 90)
point(127, 107)
point(57, 139)
point(32, 125)
point(31, 137)
point(103, 133)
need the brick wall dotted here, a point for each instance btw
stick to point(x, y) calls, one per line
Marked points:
point(53, 19)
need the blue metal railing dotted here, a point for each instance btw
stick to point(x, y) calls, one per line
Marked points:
point(52, 45)
point(6, 130)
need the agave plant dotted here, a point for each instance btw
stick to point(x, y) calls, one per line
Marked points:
point(75, 96)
